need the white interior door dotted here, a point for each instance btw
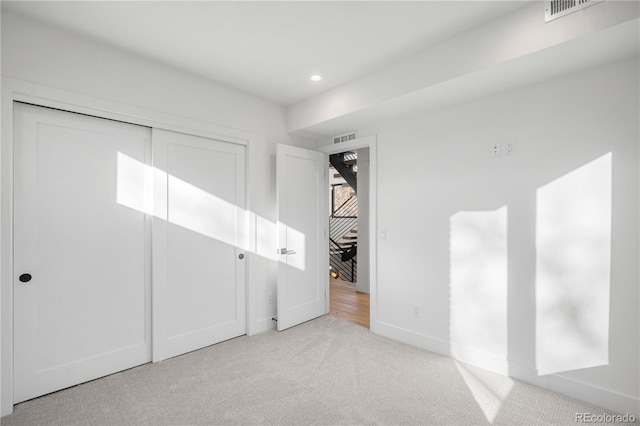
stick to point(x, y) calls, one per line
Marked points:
point(200, 233)
point(85, 311)
point(303, 268)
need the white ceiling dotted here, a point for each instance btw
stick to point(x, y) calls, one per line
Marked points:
point(602, 47)
point(270, 49)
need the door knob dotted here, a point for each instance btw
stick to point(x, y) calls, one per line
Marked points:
point(25, 278)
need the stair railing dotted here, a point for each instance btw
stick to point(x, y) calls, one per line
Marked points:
point(343, 220)
point(344, 268)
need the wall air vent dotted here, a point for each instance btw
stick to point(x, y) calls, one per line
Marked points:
point(346, 137)
point(558, 8)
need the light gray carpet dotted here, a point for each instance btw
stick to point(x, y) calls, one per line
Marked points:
point(326, 371)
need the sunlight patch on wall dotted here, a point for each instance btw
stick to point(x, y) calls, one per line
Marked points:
point(573, 262)
point(266, 237)
point(478, 283)
point(490, 390)
point(200, 211)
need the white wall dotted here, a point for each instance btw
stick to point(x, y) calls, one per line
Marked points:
point(442, 196)
point(1, 404)
point(364, 279)
point(54, 58)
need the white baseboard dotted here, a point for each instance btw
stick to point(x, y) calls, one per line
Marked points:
point(480, 359)
point(607, 399)
point(412, 338)
point(264, 325)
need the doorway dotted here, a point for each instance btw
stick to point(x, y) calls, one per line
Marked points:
point(349, 236)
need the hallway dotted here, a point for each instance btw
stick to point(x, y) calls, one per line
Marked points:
point(348, 304)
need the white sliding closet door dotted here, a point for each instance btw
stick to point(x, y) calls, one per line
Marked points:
point(81, 257)
point(199, 232)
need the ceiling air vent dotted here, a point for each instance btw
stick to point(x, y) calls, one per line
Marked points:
point(558, 8)
point(346, 137)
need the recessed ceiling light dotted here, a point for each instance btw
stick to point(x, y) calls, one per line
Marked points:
point(316, 77)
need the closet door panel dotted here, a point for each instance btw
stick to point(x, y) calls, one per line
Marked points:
point(199, 265)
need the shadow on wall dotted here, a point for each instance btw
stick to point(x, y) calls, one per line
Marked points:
point(572, 285)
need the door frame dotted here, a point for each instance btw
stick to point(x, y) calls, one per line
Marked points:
point(352, 145)
point(14, 90)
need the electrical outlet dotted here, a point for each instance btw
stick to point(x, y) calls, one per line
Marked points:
point(509, 148)
point(495, 149)
point(415, 310)
point(270, 298)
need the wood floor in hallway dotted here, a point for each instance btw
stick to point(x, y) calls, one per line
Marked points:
point(348, 304)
